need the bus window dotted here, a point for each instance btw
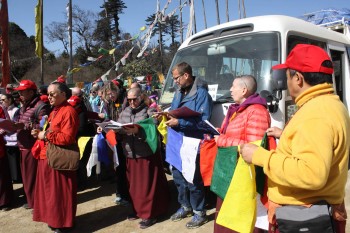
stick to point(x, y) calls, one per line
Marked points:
point(219, 61)
point(338, 72)
point(293, 40)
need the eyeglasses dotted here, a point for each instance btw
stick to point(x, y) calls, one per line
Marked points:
point(3, 99)
point(176, 78)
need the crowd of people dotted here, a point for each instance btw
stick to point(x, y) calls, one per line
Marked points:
point(309, 164)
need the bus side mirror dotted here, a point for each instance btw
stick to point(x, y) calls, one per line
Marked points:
point(271, 101)
point(279, 79)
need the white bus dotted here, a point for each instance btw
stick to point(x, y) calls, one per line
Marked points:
point(253, 46)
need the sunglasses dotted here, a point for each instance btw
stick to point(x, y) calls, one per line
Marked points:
point(133, 99)
point(52, 94)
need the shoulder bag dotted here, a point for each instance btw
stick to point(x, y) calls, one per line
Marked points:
point(63, 158)
point(295, 218)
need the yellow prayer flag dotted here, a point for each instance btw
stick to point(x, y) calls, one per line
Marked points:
point(38, 29)
point(75, 70)
point(142, 28)
point(162, 129)
point(82, 141)
point(241, 195)
point(111, 51)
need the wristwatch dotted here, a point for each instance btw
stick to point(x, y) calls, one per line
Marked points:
point(46, 132)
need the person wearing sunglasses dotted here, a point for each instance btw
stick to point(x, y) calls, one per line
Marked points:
point(30, 113)
point(148, 186)
point(94, 99)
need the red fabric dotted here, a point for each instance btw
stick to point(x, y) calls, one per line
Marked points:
point(111, 137)
point(28, 169)
point(44, 98)
point(5, 57)
point(38, 145)
point(61, 79)
point(115, 82)
point(55, 196)
point(208, 151)
point(148, 186)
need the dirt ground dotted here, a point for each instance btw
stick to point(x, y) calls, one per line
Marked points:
point(98, 213)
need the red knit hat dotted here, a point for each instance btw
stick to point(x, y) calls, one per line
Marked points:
point(306, 58)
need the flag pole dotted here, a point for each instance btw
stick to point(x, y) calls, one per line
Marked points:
point(70, 74)
point(41, 43)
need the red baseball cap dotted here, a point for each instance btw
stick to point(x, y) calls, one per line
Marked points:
point(306, 58)
point(74, 100)
point(25, 85)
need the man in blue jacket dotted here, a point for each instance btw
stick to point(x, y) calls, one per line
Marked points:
point(193, 93)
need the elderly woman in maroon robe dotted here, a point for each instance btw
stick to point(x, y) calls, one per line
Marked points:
point(147, 182)
point(55, 199)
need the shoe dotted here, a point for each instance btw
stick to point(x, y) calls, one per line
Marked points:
point(121, 201)
point(196, 221)
point(5, 208)
point(145, 223)
point(181, 214)
point(26, 206)
point(132, 217)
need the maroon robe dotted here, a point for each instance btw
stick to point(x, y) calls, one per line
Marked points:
point(148, 189)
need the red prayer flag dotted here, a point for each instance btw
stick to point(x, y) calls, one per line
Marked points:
point(4, 24)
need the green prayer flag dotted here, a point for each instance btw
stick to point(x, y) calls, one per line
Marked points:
point(224, 167)
point(150, 131)
point(103, 51)
point(259, 171)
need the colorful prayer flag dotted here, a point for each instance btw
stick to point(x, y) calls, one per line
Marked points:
point(39, 29)
point(149, 128)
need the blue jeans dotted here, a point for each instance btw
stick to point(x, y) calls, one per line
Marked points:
point(190, 196)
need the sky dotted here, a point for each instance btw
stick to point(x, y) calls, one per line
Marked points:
point(21, 12)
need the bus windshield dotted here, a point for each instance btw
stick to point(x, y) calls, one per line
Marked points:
point(219, 61)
